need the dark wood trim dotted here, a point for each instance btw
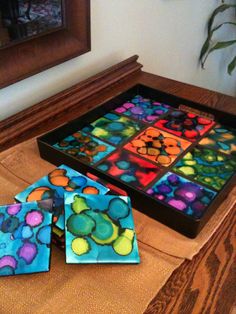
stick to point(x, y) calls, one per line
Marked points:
point(54, 110)
point(38, 54)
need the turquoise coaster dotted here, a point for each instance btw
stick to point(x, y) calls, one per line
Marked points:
point(99, 229)
point(25, 238)
point(55, 184)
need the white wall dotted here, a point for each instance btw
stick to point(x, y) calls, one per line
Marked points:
point(166, 34)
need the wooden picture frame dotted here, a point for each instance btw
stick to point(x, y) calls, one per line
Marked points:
point(37, 54)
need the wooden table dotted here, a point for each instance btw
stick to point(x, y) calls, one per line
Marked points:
point(207, 283)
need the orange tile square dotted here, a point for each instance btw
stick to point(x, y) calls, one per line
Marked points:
point(159, 146)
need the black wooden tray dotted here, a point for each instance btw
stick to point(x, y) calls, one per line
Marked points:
point(180, 220)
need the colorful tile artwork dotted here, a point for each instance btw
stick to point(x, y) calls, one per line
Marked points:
point(113, 128)
point(84, 147)
point(129, 168)
point(55, 184)
point(99, 229)
point(25, 237)
point(143, 109)
point(221, 138)
point(158, 146)
point(182, 194)
point(207, 166)
point(185, 124)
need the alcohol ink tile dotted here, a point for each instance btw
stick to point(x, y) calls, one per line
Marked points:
point(207, 166)
point(182, 194)
point(158, 146)
point(84, 147)
point(113, 128)
point(185, 124)
point(143, 109)
point(99, 229)
point(221, 138)
point(25, 238)
point(129, 168)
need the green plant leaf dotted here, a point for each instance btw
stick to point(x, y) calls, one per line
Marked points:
point(218, 10)
point(218, 26)
point(204, 49)
point(222, 44)
point(219, 45)
point(232, 66)
point(208, 47)
point(207, 42)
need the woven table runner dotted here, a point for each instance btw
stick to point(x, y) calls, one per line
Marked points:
point(94, 288)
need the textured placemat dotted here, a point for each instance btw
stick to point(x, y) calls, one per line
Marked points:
point(94, 288)
point(88, 288)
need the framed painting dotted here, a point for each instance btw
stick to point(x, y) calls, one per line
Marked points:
point(36, 35)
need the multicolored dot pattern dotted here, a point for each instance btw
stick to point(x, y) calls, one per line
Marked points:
point(207, 166)
point(84, 147)
point(25, 238)
point(129, 168)
point(113, 128)
point(100, 229)
point(185, 124)
point(54, 186)
point(159, 146)
point(143, 109)
point(222, 139)
point(141, 140)
point(183, 195)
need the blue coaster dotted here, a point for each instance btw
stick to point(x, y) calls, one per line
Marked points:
point(55, 184)
point(25, 238)
point(99, 229)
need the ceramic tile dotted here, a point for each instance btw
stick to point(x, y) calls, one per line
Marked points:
point(143, 109)
point(185, 124)
point(84, 147)
point(99, 229)
point(158, 146)
point(129, 168)
point(113, 128)
point(207, 166)
point(221, 138)
point(182, 194)
point(25, 238)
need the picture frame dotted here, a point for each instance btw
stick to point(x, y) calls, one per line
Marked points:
point(37, 54)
